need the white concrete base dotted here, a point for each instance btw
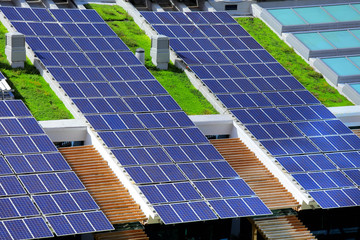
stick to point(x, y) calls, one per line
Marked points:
point(66, 130)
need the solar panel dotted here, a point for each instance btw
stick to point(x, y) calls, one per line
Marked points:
point(18, 229)
point(38, 227)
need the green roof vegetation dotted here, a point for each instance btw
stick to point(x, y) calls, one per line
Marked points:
point(298, 67)
point(31, 87)
point(173, 80)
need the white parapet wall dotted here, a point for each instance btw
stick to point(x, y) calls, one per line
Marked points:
point(220, 124)
point(66, 130)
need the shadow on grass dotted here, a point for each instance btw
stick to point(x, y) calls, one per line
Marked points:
point(28, 69)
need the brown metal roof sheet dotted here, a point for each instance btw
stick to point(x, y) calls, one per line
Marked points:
point(282, 227)
point(259, 178)
point(109, 193)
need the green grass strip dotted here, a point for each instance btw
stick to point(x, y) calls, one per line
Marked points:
point(298, 67)
point(173, 80)
point(31, 87)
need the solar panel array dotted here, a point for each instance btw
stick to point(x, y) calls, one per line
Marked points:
point(287, 120)
point(176, 168)
point(38, 190)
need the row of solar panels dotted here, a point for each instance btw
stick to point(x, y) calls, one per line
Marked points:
point(33, 163)
point(86, 74)
point(37, 187)
point(43, 15)
point(69, 224)
point(255, 88)
point(49, 204)
point(61, 44)
point(74, 59)
point(95, 98)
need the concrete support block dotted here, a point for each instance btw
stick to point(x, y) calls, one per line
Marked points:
point(15, 49)
point(160, 52)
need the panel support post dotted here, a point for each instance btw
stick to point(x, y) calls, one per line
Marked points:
point(254, 231)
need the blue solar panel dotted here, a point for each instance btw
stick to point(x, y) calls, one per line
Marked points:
point(185, 212)
point(155, 173)
point(18, 229)
point(208, 170)
point(151, 18)
point(76, 15)
point(9, 210)
point(170, 193)
point(179, 136)
point(187, 191)
point(8, 146)
point(344, 160)
point(340, 198)
point(167, 214)
point(4, 167)
point(224, 188)
point(89, 30)
point(92, 16)
point(152, 194)
point(102, 45)
point(99, 221)
point(133, 156)
point(11, 186)
point(65, 202)
point(11, 13)
point(39, 29)
point(195, 32)
point(241, 209)
point(35, 44)
point(56, 31)
point(225, 17)
point(43, 15)
point(193, 153)
point(38, 227)
point(46, 204)
point(80, 223)
point(178, 31)
point(354, 194)
point(51, 182)
point(191, 171)
point(323, 199)
point(202, 210)
point(306, 181)
point(223, 209)
point(19, 164)
point(60, 225)
point(158, 103)
point(173, 173)
point(138, 175)
point(70, 180)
